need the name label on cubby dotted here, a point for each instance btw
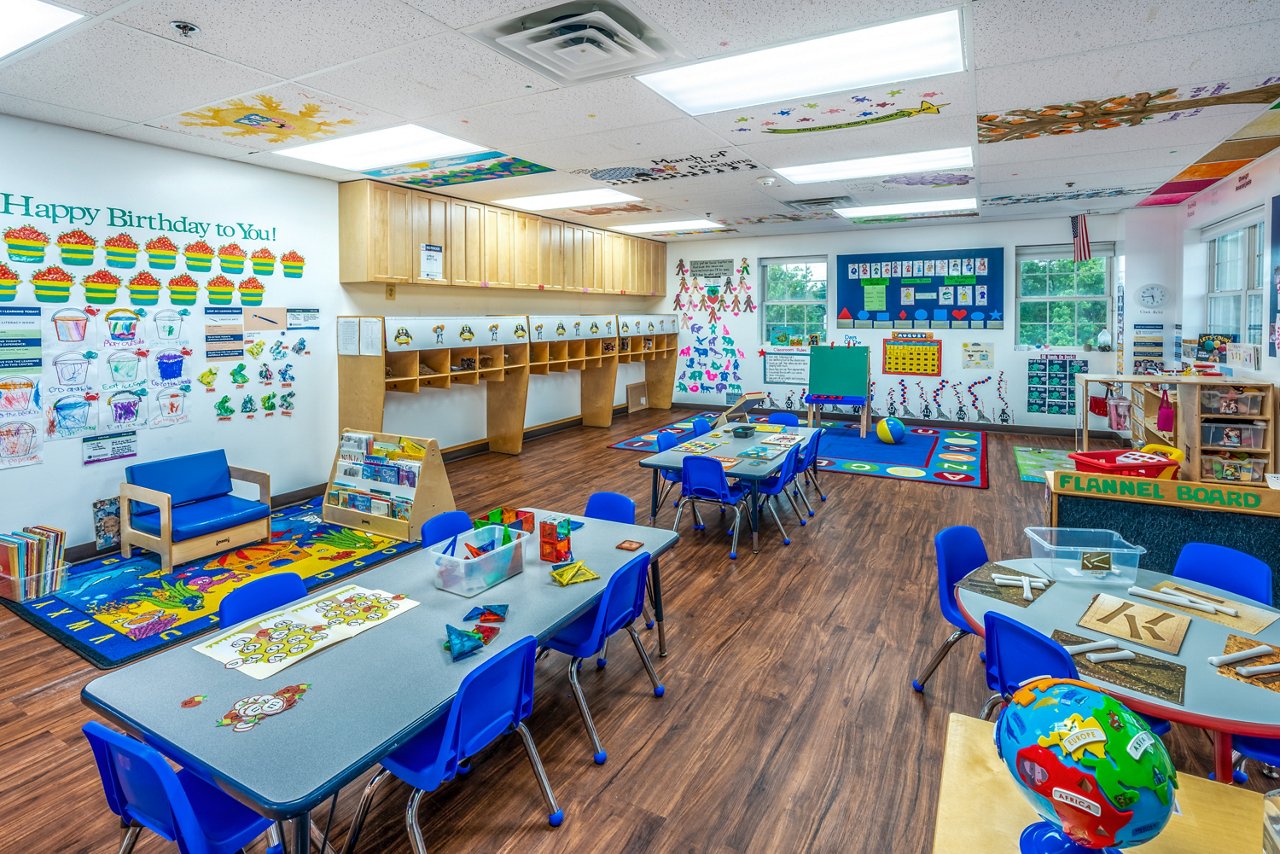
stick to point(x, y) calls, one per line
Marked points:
point(436, 333)
point(648, 324)
point(551, 327)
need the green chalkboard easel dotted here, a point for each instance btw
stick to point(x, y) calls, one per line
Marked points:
point(841, 372)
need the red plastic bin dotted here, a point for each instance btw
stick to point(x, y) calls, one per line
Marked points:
point(1109, 462)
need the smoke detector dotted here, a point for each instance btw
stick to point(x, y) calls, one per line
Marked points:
point(825, 203)
point(579, 42)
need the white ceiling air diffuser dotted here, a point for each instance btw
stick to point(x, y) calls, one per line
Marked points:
point(822, 204)
point(578, 42)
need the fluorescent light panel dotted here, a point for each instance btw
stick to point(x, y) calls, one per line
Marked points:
point(936, 206)
point(683, 225)
point(389, 147)
point(907, 50)
point(553, 201)
point(872, 167)
point(27, 21)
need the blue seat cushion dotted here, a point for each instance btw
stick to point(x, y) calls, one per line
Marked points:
point(228, 825)
point(203, 517)
point(185, 479)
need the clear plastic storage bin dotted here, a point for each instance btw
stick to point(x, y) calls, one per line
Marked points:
point(1217, 401)
point(1233, 435)
point(32, 586)
point(1240, 468)
point(468, 576)
point(1084, 554)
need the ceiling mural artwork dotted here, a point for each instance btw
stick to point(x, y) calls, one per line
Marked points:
point(928, 180)
point(271, 118)
point(835, 113)
point(617, 210)
point(669, 168)
point(458, 169)
point(1257, 138)
point(1065, 196)
point(1130, 110)
point(691, 232)
point(779, 218)
point(884, 220)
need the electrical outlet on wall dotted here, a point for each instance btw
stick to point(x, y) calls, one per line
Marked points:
point(391, 292)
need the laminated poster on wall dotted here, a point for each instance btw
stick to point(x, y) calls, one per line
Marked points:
point(977, 355)
point(1273, 299)
point(21, 363)
point(1051, 383)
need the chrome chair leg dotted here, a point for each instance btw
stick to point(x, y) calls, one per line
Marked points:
point(129, 837)
point(275, 838)
point(1269, 771)
point(737, 525)
point(804, 498)
point(665, 493)
point(679, 512)
point(362, 811)
point(411, 819)
point(990, 706)
point(602, 657)
point(658, 689)
point(600, 756)
point(648, 617)
point(699, 525)
point(811, 475)
point(792, 500)
point(555, 815)
point(919, 682)
point(786, 541)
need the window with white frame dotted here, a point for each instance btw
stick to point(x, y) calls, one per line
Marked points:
point(794, 300)
point(1062, 302)
point(1234, 290)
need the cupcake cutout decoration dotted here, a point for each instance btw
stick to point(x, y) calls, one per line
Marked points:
point(251, 291)
point(144, 289)
point(264, 262)
point(100, 287)
point(26, 244)
point(122, 251)
point(162, 253)
point(199, 256)
point(8, 283)
point(221, 290)
point(231, 259)
point(183, 290)
point(77, 248)
point(292, 262)
point(53, 284)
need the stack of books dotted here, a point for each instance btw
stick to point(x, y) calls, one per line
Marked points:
point(31, 563)
point(376, 477)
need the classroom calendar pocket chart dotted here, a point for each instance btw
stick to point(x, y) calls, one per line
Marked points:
point(945, 289)
point(914, 354)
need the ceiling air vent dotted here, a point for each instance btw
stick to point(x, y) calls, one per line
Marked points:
point(824, 204)
point(579, 42)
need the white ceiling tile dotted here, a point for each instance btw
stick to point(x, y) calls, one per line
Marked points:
point(92, 7)
point(271, 160)
point(440, 74)
point(1136, 163)
point(285, 39)
point(660, 139)
point(169, 139)
point(891, 138)
point(121, 72)
point(14, 105)
point(463, 13)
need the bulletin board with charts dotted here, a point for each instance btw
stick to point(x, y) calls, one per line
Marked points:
point(944, 289)
point(914, 354)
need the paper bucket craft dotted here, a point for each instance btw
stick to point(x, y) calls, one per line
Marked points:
point(123, 366)
point(8, 284)
point(221, 290)
point(26, 244)
point(168, 325)
point(17, 439)
point(199, 256)
point(162, 253)
point(251, 291)
point(71, 368)
point(70, 324)
point(100, 287)
point(122, 251)
point(16, 394)
point(169, 364)
point(77, 248)
point(264, 262)
point(122, 324)
point(231, 259)
point(53, 284)
point(144, 289)
point(171, 403)
point(124, 407)
point(70, 414)
point(292, 263)
point(183, 290)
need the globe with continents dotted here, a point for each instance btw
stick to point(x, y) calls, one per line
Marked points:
point(1092, 769)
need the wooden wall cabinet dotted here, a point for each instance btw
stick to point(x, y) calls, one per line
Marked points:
point(429, 216)
point(551, 254)
point(499, 247)
point(464, 254)
point(374, 233)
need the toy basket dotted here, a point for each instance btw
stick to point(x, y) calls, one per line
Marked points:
point(1126, 463)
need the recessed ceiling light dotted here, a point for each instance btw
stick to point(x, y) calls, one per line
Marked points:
point(683, 225)
point(906, 50)
point(27, 21)
point(936, 206)
point(552, 201)
point(403, 144)
point(871, 167)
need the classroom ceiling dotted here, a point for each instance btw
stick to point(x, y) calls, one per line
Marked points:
point(1168, 84)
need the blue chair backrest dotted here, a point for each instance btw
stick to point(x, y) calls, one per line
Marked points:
point(442, 526)
point(810, 454)
point(700, 426)
point(259, 596)
point(667, 441)
point(785, 473)
point(194, 477)
point(790, 419)
point(1016, 652)
point(623, 597)
point(612, 507)
point(1226, 569)
point(960, 552)
point(493, 697)
point(140, 786)
point(703, 477)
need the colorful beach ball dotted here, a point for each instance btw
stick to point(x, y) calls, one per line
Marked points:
point(1091, 768)
point(891, 431)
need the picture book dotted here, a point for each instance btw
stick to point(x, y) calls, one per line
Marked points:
point(785, 440)
point(762, 452)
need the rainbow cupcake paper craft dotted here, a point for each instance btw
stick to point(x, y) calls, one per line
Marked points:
point(26, 244)
point(162, 253)
point(53, 285)
point(292, 262)
point(100, 287)
point(77, 248)
point(221, 290)
point(8, 283)
point(263, 261)
point(251, 291)
point(122, 251)
point(199, 256)
point(144, 289)
point(231, 259)
point(183, 290)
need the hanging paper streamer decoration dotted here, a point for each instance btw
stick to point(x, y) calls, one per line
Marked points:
point(977, 403)
point(937, 397)
point(925, 411)
point(1002, 390)
point(961, 412)
point(902, 392)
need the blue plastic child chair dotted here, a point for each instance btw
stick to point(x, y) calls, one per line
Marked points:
point(1226, 569)
point(612, 507)
point(787, 419)
point(778, 484)
point(807, 467)
point(259, 596)
point(960, 551)
point(667, 441)
point(144, 791)
point(616, 609)
point(1015, 653)
point(700, 426)
point(703, 479)
point(442, 526)
point(494, 699)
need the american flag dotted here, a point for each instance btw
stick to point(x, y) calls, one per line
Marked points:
point(1080, 238)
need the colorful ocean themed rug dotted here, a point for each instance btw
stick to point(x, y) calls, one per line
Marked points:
point(113, 610)
point(1034, 462)
point(927, 454)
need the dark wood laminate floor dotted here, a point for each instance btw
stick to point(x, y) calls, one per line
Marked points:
point(789, 722)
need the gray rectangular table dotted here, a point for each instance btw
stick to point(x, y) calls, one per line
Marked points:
point(749, 471)
point(367, 695)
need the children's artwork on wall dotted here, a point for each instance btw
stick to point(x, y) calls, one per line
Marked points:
point(284, 115)
point(458, 169)
point(1178, 103)
point(913, 354)
point(1051, 383)
point(946, 289)
point(1064, 196)
point(21, 419)
point(843, 111)
point(977, 355)
point(721, 162)
point(710, 360)
point(1273, 300)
